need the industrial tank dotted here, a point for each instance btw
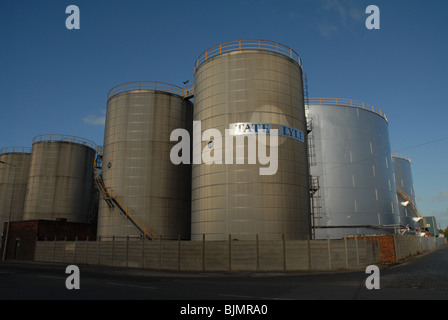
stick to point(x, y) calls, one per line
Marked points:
point(60, 179)
point(136, 162)
point(405, 190)
point(241, 86)
point(14, 167)
point(352, 161)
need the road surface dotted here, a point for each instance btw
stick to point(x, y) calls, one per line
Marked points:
point(422, 277)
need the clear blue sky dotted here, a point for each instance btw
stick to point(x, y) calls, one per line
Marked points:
point(55, 80)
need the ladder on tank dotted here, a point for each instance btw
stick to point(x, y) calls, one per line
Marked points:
point(315, 202)
point(113, 200)
point(305, 90)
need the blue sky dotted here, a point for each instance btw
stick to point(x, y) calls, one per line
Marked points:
point(55, 80)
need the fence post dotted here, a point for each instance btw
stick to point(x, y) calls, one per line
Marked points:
point(127, 250)
point(284, 252)
point(45, 249)
point(76, 248)
point(346, 252)
point(258, 251)
point(54, 249)
point(113, 250)
point(309, 253)
point(99, 250)
point(329, 251)
point(230, 252)
point(65, 249)
point(365, 248)
point(396, 248)
point(143, 252)
point(357, 249)
point(87, 249)
point(178, 252)
point(160, 254)
point(203, 252)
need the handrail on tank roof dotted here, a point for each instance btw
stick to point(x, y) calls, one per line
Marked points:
point(145, 85)
point(15, 150)
point(401, 156)
point(247, 44)
point(346, 103)
point(65, 138)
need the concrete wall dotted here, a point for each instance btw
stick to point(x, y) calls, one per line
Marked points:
point(281, 255)
point(262, 255)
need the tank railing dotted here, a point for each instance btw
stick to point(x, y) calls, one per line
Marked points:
point(406, 197)
point(248, 44)
point(401, 156)
point(347, 103)
point(15, 150)
point(145, 85)
point(188, 92)
point(65, 138)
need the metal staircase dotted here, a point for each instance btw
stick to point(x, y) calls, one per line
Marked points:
point(411, 202)
point(113, 200)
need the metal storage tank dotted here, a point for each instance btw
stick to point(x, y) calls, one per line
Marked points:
point(405, 190)
point(14, 167)
point(250, 82)
point(136, 162)
point(60, 179)
point(430, 224)
point(352, 160)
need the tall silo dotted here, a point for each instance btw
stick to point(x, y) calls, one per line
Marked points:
point(60, 179)
point(405, 190)
point(352, 159)
point(14, 167)
point(250, 84)
point(136, 162)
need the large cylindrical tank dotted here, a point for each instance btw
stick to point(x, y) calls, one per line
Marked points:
point(14, 167)
point(405, 190)
point(352, 159)
point(248, 84)
point(136, 160)
point(60, 179)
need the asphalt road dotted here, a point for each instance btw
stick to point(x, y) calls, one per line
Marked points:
point(419, 278)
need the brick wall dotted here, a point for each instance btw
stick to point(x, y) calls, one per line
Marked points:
point(22, 235)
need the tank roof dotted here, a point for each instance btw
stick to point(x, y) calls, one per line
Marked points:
point(15, 150)
point(247, 44)
point(401, 156)
point(64, 138)
point(145, 86)
point(345, 103)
